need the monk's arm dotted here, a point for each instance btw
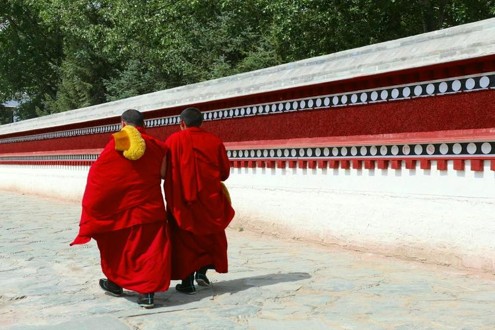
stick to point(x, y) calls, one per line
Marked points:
point(224, 163)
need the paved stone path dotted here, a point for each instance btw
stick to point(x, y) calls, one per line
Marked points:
point(272, 284)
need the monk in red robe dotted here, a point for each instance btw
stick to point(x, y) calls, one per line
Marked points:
point(197, 202)
point(124, 211)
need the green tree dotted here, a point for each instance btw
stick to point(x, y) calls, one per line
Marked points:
point(61, 55)
point(31, 55)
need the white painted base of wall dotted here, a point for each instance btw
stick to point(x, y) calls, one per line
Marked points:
point(439, 217)
point(62, 182)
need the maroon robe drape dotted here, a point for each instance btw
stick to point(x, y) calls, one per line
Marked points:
point(200, 211)
point(124, 211)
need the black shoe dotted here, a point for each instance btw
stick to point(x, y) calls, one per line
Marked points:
point(146, 300)
point(185, 289)
point(202, 280)
point(110, 287)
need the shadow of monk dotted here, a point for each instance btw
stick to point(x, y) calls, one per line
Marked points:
point(173, 298)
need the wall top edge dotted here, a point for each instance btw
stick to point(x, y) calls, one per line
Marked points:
point(458, 43)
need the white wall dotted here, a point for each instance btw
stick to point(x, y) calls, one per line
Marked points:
point(62, 182)
point(440, 217)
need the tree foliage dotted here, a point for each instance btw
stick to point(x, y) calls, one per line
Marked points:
point(59, 55)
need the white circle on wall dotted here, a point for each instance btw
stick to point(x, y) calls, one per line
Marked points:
point(363, 150)
point(471, 148)
point(335, 151)
point(384, 94)
point(484, 82)
point(274, 107)
point(326, 152)
point(302, 104)
point(344, 151)
point(430, 149)
point(326, 101)
point(286, 152)
point(456, 85)
point(265, 153)
point(444, 148)
point(418, 149)
point(258, 153)
point(234, 153)
point(363, 97)
point(243, 111)
point(354, 98)
point(457, 148)
point(373, 150)
point(318, 152)
point(267, 108)
point(236, 112)
point(335, 100)
point(294, 105)
point(309, 152)
point(279, 153)
point(310, 103)
point(470, 83)
point(354, 151)
point(383, 150)
point(442, 88)
point(395, 93)
point(406, 149)
point(418, 90)
point(374, 96)
point(253, 153)
point(293, 152)
point(406, 91)
point(301, 152)
point(287, 106)
point(430, 89)
point(395, 150)
point(225, 113)
point(318, 102)
point(486, 148)
point(343, 99)
point(272, 153)
point(220, 114)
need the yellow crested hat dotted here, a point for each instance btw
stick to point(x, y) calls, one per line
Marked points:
point(130, 141)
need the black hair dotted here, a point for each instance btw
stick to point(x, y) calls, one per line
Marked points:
point(133, 117)
point(192, 117)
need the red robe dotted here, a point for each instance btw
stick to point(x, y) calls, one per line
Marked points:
point(200, 211)
point(124, 211)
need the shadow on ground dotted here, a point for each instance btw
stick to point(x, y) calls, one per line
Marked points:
point(173, 298)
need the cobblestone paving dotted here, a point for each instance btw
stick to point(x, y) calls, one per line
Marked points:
point(272, 284)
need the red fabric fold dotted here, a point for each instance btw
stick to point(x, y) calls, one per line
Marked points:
point(124, 211)
point(199, 209)
point(197, 163)
point(121, 193)
point(189, 167)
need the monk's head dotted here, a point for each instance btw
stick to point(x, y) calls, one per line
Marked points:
point(132, 117)
point(191, 117)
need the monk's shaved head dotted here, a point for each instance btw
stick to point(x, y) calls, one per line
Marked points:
point(133, 117)
point(192, 117)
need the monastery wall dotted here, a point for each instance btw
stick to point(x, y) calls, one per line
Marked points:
point(388, 148)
